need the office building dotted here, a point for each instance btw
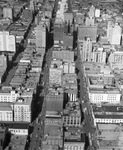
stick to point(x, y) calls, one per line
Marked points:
point(107, 114)
point(58, 33)
point(40, 32)
point(89, 31)
point(65, 55)
point(22, 109)
point(7, 42)
point(97, 12)
point(27, 14)
point(116, 35)
point(87, 49)
point(91, 12)
point(70, 95)
point(109, 136)
point(6, 111)
point(8, 13)
point(89, 21)
point(72, 114)
point(98, 56)
point(54, 101)
point(18, 128)
point(74, 140)
point(53, 133)
point(116, 59)
point(7, 94)
point(3, 63)
point(102, 89)
point(68, 17)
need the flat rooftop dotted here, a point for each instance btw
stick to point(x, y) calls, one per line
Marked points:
point(108, 108)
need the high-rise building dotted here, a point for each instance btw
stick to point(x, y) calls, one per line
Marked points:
point(89, 21)
point(7, 42)
point(7, 94)
point(8, 12)
point(97, 13)
point(90, 31)
point(22, 109)
point(109, 29)
point(87, 49)
point(98, 56)
point(91, 12)
point(116, 35)
point(40, 35)
point(6, 112)
point(3, 62)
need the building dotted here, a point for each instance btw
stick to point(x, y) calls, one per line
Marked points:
point(68, 17)
point(3, 62)
point(87, 49)
point(40, 32)
point(7, 94)
point(6, 111)
point(70, 95)
point(91, 12)
point(22, 109)
point(53, 133)
point(17, 142)
point(68, 41)
point(55, 76)
point(90, 31)
point(58, 33)
point(27, 14)
point(107, 114)
point(7, 42)
point(116, 59)
point(89, 21)
point(109, 136)
point(65, 55)
point(54, 101)
point(72, 114)
point(20, 129)
point(98, 56)
point(102, 89)
point(97, 13)
point(8, 13)
point(116, 35)
point(3, 131)
point(74, 140)
point(69, 67)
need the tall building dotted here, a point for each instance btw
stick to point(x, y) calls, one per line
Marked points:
point(109, 29)
point(3, 63)
point(89, 21)
point(8, 13)
point(116, 35)
point(90, 31)
point(40, 35)
point(97, 13)
point(6, 112)
point(98, 56)
point(7, 94)
point(7, 42)
point(87, 49)
point(91, 12)
point(22, 109)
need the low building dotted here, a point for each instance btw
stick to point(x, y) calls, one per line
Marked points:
point(72, 114)
point(74, 140)
point(102, 89)
point(109, 136)
point(107, 113)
